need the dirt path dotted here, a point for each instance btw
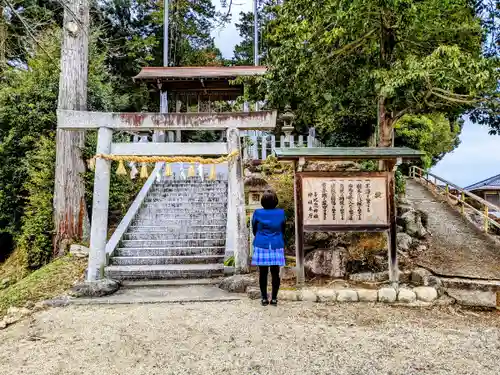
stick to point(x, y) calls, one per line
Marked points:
point(457, 248)
point(244, 338)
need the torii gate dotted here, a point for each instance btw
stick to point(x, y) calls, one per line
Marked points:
point(231, 122)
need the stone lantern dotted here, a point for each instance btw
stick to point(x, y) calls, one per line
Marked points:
point(287, 128)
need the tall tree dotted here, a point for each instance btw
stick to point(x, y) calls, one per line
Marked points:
point(133, 33)
point(71, 220)
point(360, 60)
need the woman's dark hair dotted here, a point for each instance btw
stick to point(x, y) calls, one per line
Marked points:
point(269, 200)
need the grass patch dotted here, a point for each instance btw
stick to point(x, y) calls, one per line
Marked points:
point(14, 268)
point(47, 282)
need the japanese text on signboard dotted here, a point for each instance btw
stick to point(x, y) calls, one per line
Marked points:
point(344, 201)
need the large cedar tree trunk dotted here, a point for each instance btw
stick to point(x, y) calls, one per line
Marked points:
point(70, 211)
point(385, 129)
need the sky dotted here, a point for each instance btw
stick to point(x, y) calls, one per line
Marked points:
point(475, 159)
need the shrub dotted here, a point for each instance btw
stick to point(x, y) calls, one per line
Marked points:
point(37, 224)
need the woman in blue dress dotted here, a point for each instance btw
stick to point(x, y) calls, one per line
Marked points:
point(268, 224)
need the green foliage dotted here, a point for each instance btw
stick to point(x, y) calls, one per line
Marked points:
point(37, 224)
point(280, 177)
point(229, 262)
point(122, 189)
point(400, 182)
point(28, 101)
point(339, 63)
point(434, 134)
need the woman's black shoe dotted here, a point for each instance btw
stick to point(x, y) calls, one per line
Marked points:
point(264, 302)
point(274, 302)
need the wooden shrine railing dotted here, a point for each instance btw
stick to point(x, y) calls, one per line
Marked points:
point(457, 196)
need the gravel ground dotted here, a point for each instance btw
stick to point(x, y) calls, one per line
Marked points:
point(242, 337)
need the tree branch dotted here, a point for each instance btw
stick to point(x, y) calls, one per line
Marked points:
point(353, 44)
point(452, 99)
point(29, 31)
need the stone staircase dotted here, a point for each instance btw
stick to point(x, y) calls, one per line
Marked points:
point(179, 233)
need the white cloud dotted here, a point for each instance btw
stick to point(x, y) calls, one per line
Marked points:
point(227, 37)
point(475, 159)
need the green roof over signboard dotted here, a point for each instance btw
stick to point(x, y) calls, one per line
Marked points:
point(348, 153)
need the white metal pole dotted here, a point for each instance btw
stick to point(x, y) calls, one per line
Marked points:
point(160, 135)
point(164, 97)
point(255, 33)
point(256, 39)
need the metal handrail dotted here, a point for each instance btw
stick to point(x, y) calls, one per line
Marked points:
point(421, 174)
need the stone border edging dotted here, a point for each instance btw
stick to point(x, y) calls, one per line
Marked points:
point(402, 296)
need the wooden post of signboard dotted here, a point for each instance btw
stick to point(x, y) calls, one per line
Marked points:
point(299, 228)
point(392, 242)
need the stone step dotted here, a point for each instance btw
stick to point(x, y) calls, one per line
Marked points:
point(188, 198)
point(151, 260)
point(199, 242)
point(174, 235)
point(193, 182)
point(185, 205)
point(177, 228)
point(168, 251)
point(133, 284)
point(155, 211)
point(206, 217)
point(168, 221)
point(165, 219)
point(167, 271)
point(188, 189)
point(471, 284)
point(178, 208)
point(181, 200)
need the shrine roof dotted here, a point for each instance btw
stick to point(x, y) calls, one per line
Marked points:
point(199, 72)
point(203, 82)
point(348, 153)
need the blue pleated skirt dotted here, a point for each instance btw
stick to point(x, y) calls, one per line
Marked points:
point(268, 257)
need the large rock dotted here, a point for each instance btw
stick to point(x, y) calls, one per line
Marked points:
point(97, 288)
point(420, 276)
point(387, 295)
point(79, 251)
point(426, 293)
point(238, 283)
point(411, 222)
point(436, 283)
point(403, 241)
point(404, 207)
point(369, 277)
point(253, 292)
point(326, 262)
